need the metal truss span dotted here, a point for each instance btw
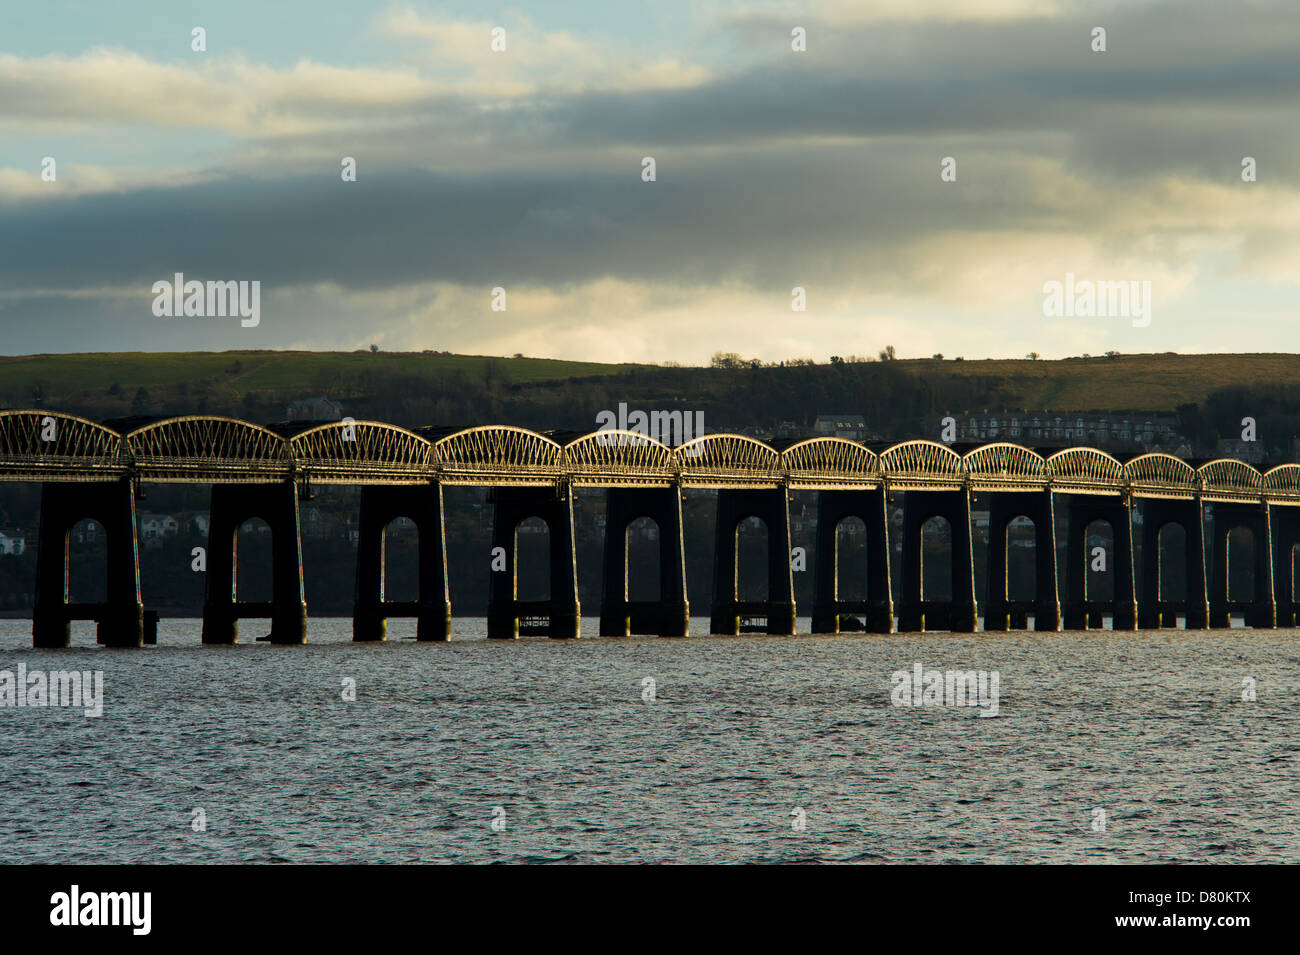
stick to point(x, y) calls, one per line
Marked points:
point(48, 446)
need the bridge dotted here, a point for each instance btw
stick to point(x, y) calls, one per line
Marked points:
point(95, 470)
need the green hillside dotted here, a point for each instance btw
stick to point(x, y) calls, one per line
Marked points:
point(437, 388)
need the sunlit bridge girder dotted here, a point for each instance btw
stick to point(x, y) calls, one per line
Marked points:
point(827, 463)
point(1230, 480)
point(351, 452)
point(500, 455)
point(1161, 475)
point(209, 450)
point(1085, 471)
point(1005, 467)
point(613, 458)
point(1282, 484)
point(922, 466)
point(728, 460)
point(38, 445)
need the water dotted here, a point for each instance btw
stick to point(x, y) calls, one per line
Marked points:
point(1150, 727)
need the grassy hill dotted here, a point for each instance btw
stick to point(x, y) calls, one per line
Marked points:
point(1147, 382)
point(440, 388)
point(257, 371)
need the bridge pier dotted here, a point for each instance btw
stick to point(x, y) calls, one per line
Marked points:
point(960, 613)
point(1000, 612)
point(1261, 610)
point(511, 507)
point(1153, 612)
point(120, 620)
point(877, 610)
point(422, 504)
point(232, 505)
point(771, 506)
point(1081, 613)
point(670, 615)
point(1284, 536)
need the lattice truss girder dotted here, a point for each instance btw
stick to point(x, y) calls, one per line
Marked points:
point(205, 448)
point(829, 463)
point(343, 451)
point(51, 446)
point(502, 453)
point(921, 465)
point(1005, 466)
point(1161, 475)
point(37, 445)
point(728, 460)
point(613, 457)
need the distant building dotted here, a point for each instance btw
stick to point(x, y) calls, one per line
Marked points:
point(1124, 431)
point(314, 409)
point(1252, 452)
point(788, 429)
point(193, 522)
point(157, 526)
point(851, 426)
point(86, 532)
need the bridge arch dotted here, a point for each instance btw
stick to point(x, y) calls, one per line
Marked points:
point(611, 457)
point(728, 460)
point(1084, 470)
point(37, 445)
point(208, 449)
point(922, 465)
point(499, 455)
point(1229, 480)
point(830, 462)
point(349, 452)
point(1005, 467)
point(1161, 475)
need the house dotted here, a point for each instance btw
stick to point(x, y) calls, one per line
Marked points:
point(314, 409)
point(1125, 431)
point(86, 532)
point(851, 426)
point(197, 523)
point(158, 526)
point(1252, 452)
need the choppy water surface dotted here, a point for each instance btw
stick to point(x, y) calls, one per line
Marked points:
point(1150, 727)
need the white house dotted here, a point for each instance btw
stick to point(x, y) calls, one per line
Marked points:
point(157, 526)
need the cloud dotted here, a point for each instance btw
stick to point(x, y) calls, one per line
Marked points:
point(534, 59)
point(775, 169)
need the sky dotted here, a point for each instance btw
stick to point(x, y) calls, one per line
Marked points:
point(821, 169)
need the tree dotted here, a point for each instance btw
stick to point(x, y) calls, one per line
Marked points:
point(1032, 356)
point(373, 348)
point(888, 354)
point(726, 359)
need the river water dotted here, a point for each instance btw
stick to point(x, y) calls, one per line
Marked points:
point(744, 749)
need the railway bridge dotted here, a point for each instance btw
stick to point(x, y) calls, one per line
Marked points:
point(95, 470)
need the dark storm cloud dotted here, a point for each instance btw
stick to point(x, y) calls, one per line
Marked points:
point(747, 217)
